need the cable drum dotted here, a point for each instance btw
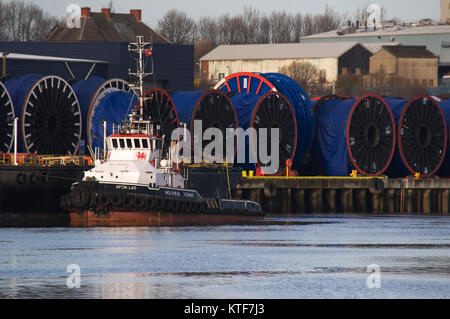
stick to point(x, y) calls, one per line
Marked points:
point(90, 93)
point(444, 170)
point(421, 136)
point(269, 111)
point(6, 120)
point(262, 83)
point(159, 108)
point(213, 108)
point(354, 134)
point(113, 108)
point(50, 117)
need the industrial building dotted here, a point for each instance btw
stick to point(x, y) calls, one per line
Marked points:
point(331, 60)
point(100, 48)
point(417, 65)
point(436, 38)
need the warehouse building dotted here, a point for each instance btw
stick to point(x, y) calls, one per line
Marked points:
point(415, 64)
point(331, 60)
point(436, 38)
point(101, 43)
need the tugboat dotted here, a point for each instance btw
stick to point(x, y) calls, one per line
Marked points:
point(136, 187)
point(137, 183)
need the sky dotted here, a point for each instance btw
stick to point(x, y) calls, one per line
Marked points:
point(153, 10)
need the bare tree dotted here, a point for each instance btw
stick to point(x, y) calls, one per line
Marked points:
point(208, 30)
point(328, 21)
point(281, 27)
point(25, 22)
point(177, 27)
point(304, 73)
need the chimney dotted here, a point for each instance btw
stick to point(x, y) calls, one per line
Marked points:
point(107, 13)
point(86, 12)
point(137, 13)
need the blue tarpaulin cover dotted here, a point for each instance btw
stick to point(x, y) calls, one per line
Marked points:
point(18, 88)
point(85, 90)
point(397, 168)
point(113, 108)
point(184, 103)
point(445, 167)
point(303, 112)
point(329, 148)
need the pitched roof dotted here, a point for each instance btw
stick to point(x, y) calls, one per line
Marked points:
point(120, 27)
point(375, 47)
point(279, 51)
point(395, 31)
point(411, 51)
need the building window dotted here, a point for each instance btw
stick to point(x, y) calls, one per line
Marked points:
point(424, 83)
point(358, 71)
point(221, 76)
point(344, 71)
point(430, 83)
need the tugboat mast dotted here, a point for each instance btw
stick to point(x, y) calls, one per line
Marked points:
point(140, 48)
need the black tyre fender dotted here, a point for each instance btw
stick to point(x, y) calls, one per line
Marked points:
point(376, 186)
point(79, 197)
point(176, 205)
point(138, 202)
point(116, 200)
point(103, 200)
point(127, 201)
point(189, 206)
point(21, 178)
point(159, 203)
point(150, 203)
point(33, 179)
point(168, 205)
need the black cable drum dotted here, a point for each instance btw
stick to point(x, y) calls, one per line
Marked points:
point(159, 108)
point(50, 117)
point(6, 120)
point(354, 134)
point(422, 135)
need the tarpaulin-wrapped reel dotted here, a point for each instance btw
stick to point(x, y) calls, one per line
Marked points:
point(6, 120)
point(354, 134)
point(50, 117)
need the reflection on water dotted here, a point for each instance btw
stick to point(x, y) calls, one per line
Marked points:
point(301, 257)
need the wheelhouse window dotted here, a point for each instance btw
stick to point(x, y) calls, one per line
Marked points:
point(122, 143)
point(114, 143)
point(137, 143)
point(129, 143)
point(144, 143)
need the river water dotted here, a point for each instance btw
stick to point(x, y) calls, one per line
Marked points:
point(314, 256)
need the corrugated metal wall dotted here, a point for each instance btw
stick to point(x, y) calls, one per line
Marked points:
point(174, 66)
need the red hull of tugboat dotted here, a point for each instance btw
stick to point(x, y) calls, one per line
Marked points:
point(162, 219)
